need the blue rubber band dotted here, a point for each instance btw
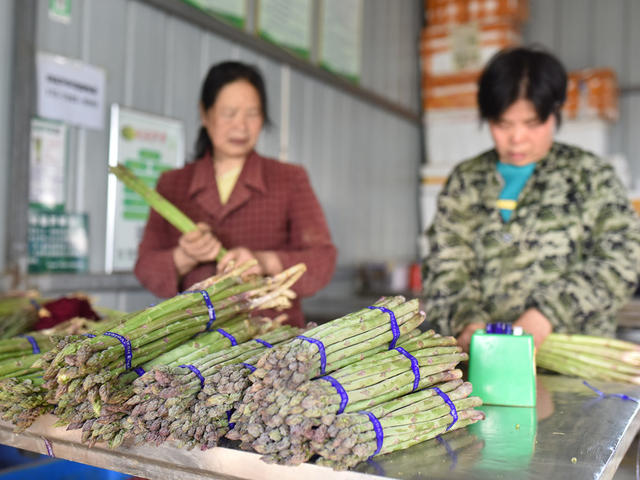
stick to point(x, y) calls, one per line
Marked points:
point(320, 345)
point(229, 336)
point(32, 341)
point(394, 325)
point(605, 395)
point(452, 407)
point(249, 366)
point(89, 335)
point(266, 344)
point(210, 310)
point(344, 398)
point(196, 371)
point(450, 451)
point(35, 305)
point(376, 428)
point(127, 347)
point(415, 366)
point(207, 300)
point(231, 424)
point(139, 370)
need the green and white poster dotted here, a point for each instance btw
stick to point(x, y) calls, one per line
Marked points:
point(341, 37)
point(286, 23)
point(47, 165)
point(148, 145)
point(233, 11)
point(57, 241)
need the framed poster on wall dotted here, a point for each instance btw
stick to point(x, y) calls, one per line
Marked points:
point(286, 23)
point(341, 37)
point(48, 165)
point(148, 145)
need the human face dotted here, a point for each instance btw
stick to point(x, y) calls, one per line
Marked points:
point(234, 121)
point(520, 136)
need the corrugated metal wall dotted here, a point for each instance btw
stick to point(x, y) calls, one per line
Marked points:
point(362, 160)
point(6, 58)
point(593, 33)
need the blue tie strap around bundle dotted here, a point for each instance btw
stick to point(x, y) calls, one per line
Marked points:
point(194, 369)
point(266, 344)
point(210, 310)
point(394, 325)
point(249, 366)
point(89, 335)
point(344, 398)
point(415, 366)
point(128, 355)
point(376, 428)
point(452, 407)
point(139, 370)
point(320, 345)
point(34, 345)
point(231, 338)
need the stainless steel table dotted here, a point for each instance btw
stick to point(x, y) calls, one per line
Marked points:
point(573, 433)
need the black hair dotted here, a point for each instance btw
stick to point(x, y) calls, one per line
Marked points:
point(530, 73)
point(220, 75)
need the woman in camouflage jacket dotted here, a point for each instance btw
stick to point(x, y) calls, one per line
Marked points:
point(564, 254)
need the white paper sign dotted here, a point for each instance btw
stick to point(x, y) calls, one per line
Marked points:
point(48, 164)
point(148, 145)
point(70, 91)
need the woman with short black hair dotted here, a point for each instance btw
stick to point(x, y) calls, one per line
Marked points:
point(532, 232)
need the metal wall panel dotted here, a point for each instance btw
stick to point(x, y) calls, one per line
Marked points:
point(362, 164)
point(591, 33)
point(6, 59)
point(390, 49)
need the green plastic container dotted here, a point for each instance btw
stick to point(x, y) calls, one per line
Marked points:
point(502, 369)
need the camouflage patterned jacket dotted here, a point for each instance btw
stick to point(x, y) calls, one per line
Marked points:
point(570, 249)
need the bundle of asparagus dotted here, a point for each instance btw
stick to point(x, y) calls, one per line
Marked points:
point(590, 357)
point(324, 349)
point(22, 390)
point(345, 440)
point(165, 396)
point(18, 313)
point(82, 398)
point(146, 334)
point(424, 361)
point(102, 418)
point(33, 342)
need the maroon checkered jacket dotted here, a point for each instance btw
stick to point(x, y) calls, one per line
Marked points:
point(272, 207)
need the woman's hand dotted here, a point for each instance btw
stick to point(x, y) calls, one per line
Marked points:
point(237, 256)
point(464, 339)
point(534, 322)
point(268, 262)
point(197, 246)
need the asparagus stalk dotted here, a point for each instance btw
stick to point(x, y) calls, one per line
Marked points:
point(590, 357)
